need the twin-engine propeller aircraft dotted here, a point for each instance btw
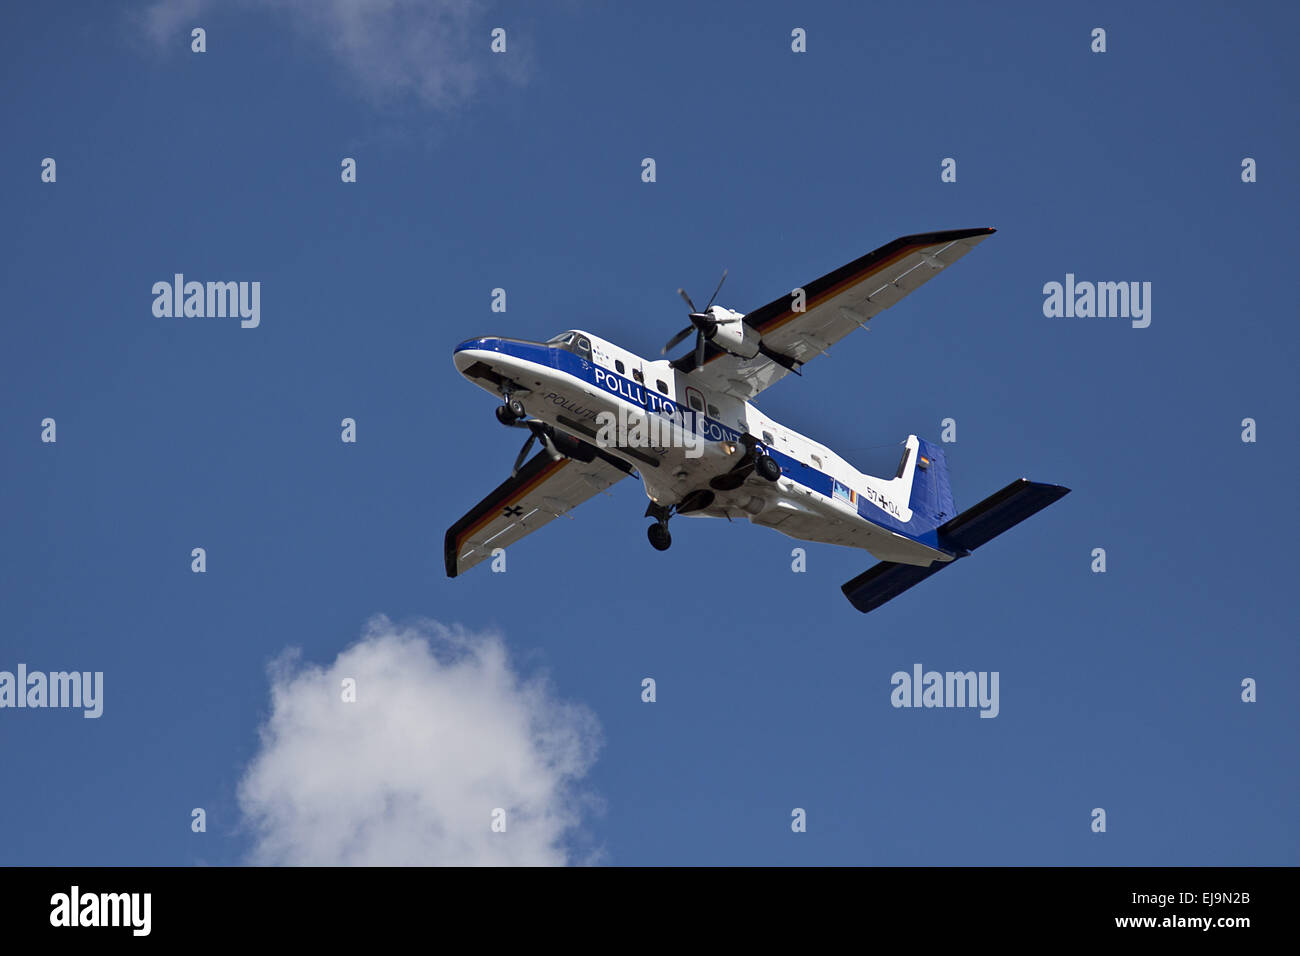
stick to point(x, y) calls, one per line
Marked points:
point(739, 463)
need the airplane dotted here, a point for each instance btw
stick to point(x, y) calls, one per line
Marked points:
point(732, 461)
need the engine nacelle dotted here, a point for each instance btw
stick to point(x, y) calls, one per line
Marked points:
point(733, 335)
point(571, 447)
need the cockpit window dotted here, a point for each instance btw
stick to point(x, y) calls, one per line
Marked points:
point(572, 342)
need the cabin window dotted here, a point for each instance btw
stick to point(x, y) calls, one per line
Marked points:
point(662, 387)
point(696, 402)
point(636, 374)
point(816, 459)
point(583, 347)
point(713, 410)
point(618, 366)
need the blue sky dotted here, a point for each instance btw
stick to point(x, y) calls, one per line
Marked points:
point(1118, 690)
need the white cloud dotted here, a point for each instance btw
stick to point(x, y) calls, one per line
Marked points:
point(434, 50)
point(169, 21)
point(443, 731)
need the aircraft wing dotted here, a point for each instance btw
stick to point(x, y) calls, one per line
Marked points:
point(834, 306)
point(543, 489)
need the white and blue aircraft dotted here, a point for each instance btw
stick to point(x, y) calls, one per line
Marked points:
point(742, 463)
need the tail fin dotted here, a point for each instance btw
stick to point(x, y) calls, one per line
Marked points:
point(931, 494)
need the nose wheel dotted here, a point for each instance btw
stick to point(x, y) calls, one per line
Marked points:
point(510, 412)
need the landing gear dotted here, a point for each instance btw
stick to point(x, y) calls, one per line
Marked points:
point(755, 462)
point(659, 537)
point(511, 411)
point(658, 534)
point(767, 468)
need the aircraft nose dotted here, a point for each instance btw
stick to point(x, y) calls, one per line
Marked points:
point(470, 351)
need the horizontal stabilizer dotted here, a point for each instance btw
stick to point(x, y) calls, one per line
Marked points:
point(963, 534)
point(998, 512)
point(886, 580)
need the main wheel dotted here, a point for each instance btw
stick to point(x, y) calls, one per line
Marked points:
point(516, 407)
point(659, 537)
point(505, 416)
point(767, 468)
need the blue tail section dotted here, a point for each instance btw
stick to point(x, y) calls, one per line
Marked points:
point(961, 535)
point(931, 493)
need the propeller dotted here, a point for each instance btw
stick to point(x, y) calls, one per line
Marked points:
point(703, 324)
point(536, 430)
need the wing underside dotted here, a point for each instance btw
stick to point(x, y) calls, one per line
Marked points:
point(806, 322)
point(544, 489)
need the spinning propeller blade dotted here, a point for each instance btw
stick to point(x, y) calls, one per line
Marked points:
point(701, 322)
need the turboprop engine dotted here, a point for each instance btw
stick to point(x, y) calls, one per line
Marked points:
point(726, 330)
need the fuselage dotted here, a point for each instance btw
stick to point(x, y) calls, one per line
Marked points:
point(577, 382)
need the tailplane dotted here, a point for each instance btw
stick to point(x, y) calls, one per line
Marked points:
point(960, 535)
